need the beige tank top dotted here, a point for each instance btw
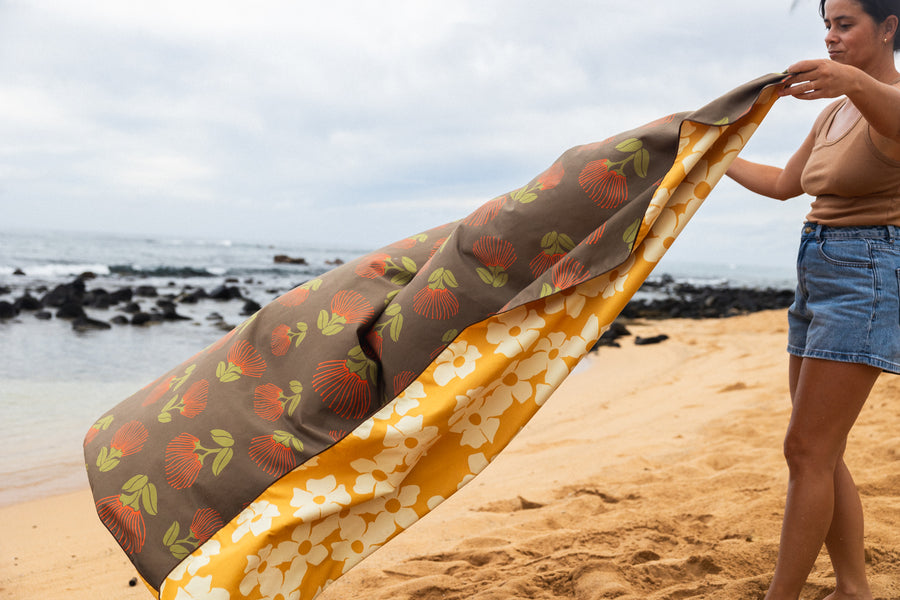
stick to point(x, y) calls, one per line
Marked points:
point(854, 183)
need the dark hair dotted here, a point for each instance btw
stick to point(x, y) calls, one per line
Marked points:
point(879, 10)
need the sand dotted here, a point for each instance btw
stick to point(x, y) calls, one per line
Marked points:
point(654, 472)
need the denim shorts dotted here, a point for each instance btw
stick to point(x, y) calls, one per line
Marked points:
point(847, 303)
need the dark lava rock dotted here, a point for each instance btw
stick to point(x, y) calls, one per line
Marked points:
point(646, 341)
point(98, 298)
point(28, 302)
point(121, 295)
point(225, 292)
point(18, 272)
point(142, 318)
point(43, 315)
point(168, 311)
point(609, 337)
point(704, 302)
point(64, 293)
point(146, 291)
point(88, 324)
point(132, 307)
point(70, 310)
point(192, 297)
point(250, 307)
point(7, 310)
point(284, 259)
point(119, 320)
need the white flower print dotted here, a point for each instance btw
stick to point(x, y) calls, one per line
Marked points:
point(457, 360)
point(255, 519)
point(515, 331)
point(618, 277)
point(308, 551)
point(394, 513)
point(571, 300)
point(513, 384)
point(378, 476)
point(263, 570)
point(354, 545)
point(410, 437)
point(550, 355)
point(201, 588)
point(663, 230)
point(321, 498)
point(476, 417)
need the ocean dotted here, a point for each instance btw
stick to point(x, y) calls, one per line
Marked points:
point(55, 381)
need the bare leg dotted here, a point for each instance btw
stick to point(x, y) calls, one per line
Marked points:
point(827, 398)
point(845, 539)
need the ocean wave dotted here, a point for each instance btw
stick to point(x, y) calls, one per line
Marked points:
point(57, 270)
point(163, 271)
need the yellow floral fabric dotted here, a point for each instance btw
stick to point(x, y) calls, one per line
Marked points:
point(319, 520)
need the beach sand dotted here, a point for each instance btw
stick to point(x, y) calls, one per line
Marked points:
point(654, 472)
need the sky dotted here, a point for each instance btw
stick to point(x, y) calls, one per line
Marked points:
point(356, 123)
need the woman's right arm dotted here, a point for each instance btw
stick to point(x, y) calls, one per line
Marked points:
point(770, 181)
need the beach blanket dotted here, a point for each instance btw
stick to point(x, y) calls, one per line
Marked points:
point(273, 461)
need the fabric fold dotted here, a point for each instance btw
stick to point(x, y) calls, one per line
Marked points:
point(279, 457)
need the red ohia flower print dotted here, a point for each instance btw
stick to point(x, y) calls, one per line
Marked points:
point(122, 515)
point(194, 399)
point(267, 402)
point(568, 273)
point(607, 188)
point(157, 392)
point(183, 464)
point(205, 523)
point(185, 456)
point(274, 453)
point(345, 384)
point(124, 522)
point(352, 306)
point(280, 340)
point(375, 341)
point(402, 381)
point(102, 424)
point(437, 301)
point(299, 294)
point(373, 266)
point(243, 360)
point(494, 252)
point(595, 235)
point(550, 178)
point(486, 212)
point(130, 438)
point(283, 336)
point(270, 400)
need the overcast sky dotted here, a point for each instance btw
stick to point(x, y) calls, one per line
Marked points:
point(358, 123)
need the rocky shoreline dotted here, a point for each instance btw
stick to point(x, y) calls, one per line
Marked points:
point(142, 305)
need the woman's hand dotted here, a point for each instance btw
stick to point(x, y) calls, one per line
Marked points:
point(814, 79)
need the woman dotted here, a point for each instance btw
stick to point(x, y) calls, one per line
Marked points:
point(845, 321)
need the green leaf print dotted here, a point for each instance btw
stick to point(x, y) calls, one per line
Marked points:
point(172, 534)
point(222, 437)
point(223, 457)
point(642, 163)
point(632, 232)
point(630, 145)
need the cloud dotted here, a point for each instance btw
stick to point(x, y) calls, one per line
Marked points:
point(345, 119)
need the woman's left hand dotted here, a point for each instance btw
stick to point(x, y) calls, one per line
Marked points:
point(814, 79)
